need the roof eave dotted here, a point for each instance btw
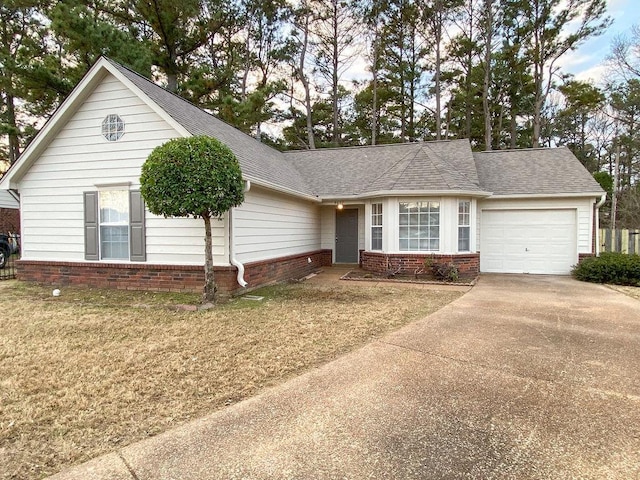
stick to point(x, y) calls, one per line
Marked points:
point(515, 196)
point(407, 193)
point(280, 189)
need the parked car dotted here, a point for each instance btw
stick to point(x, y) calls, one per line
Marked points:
point(9, 244)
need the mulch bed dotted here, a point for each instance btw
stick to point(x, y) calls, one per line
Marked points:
point(363, 275)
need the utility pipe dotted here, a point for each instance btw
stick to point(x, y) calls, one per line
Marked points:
point(232, 259)
point(597, 220)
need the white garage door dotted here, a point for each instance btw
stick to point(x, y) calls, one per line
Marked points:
point(528, 241)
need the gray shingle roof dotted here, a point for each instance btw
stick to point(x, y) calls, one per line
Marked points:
point(533, 171)
point(445, 165)
point(256, 159)
point(357, 171)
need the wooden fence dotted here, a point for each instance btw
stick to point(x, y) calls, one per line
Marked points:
point(624, 241)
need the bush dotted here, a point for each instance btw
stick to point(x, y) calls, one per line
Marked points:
point(615, 268)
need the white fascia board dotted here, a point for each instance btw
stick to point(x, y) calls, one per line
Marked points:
point(545, 195)
point(287, 191)
point(91, 79)
point(408, 193)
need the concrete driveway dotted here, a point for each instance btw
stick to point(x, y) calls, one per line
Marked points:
point(523, 377)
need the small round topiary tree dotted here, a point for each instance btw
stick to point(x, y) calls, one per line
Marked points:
point(196, 177)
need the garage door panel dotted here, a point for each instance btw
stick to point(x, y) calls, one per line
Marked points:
point(528, 241)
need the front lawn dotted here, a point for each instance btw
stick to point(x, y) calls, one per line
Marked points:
point(92, 370)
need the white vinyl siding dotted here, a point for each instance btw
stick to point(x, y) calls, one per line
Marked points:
point(79, 159)
point(270, 225)
point(7, 200)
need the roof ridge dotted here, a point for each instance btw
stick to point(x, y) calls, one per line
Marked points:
point(437, 162)
point(526, 149)
point(391, 167)
point(451, 171)
point(377, 145)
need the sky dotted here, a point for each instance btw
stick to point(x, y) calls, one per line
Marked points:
point(587, 62)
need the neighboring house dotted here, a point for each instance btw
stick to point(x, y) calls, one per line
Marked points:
point(84, 222)
point(9, 213)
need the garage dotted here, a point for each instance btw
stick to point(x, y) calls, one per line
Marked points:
point(528, 241)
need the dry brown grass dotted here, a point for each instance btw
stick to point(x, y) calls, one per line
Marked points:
point(633, 292)
point(93, 370)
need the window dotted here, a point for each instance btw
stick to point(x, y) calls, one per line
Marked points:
point(114, 225)
point(376, 226)
point(464, 226)
point(113, 127)
point(419, 226)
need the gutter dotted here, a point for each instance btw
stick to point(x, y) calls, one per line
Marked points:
point(14, 193)
point(232, 259)
point(603, 199)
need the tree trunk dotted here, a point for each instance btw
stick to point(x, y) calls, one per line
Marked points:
point(209, 295)
point(14, 140)
point(437, 72)
point(334, 78)
point(305, 83)
point(514, 127)
point(487, 74)
point(374, 87)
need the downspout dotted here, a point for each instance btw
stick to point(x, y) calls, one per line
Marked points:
point(597, 220)
point(232, 259)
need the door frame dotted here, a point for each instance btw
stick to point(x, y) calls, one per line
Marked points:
point(356, 235)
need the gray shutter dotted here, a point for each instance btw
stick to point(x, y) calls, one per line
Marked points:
point(91, 250)
point(137, 240)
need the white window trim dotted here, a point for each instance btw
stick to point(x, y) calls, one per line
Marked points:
point(100, 224)
point(468, 225)
point(372, 226)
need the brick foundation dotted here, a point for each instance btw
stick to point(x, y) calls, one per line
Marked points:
point(9, 220)
point(582, 256)
point(468, 263)
point(169, 278)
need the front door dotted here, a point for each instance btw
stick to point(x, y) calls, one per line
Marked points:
point(347, 236)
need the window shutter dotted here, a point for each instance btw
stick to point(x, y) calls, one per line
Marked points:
point(91, 250)
point(137, 240)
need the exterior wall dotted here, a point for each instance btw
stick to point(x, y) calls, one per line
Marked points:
point(8, 201)
point(583, 207)
point(328, 226)
point(468, 264)
point(9, 220)
point(174, 278)
point(270, 225)
point(80, 159)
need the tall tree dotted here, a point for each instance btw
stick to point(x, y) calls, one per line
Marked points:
point(335, 35)
point(552, 28)
point(572, 123)
point(33, 79)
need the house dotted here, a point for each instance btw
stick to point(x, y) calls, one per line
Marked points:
point(9, 213)
point(84, 221)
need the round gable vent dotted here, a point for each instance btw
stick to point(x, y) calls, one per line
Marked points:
point(113, 127)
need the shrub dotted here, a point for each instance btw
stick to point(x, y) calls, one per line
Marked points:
point(615, 268)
